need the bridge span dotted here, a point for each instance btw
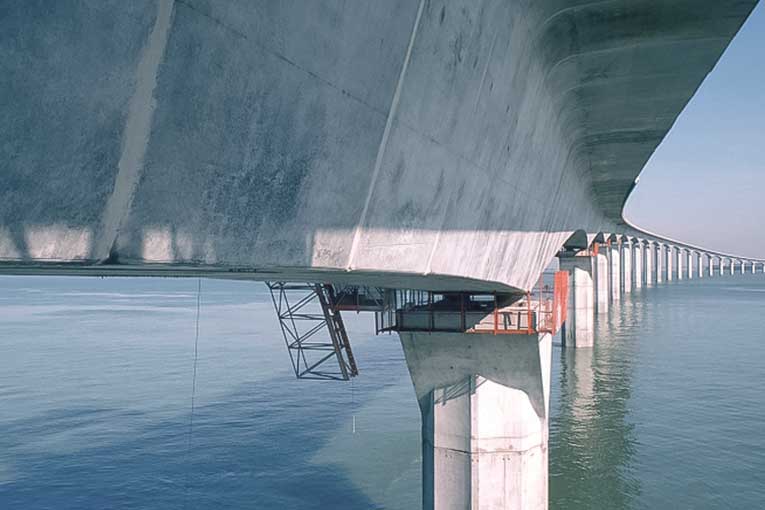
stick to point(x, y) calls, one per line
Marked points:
point(444, 147)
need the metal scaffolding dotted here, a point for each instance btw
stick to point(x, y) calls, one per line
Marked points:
point(305, 312)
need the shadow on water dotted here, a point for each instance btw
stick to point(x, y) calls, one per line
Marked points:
point(592, 442)
point(250, 449)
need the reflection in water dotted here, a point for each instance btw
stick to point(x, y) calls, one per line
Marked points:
point(592, 441)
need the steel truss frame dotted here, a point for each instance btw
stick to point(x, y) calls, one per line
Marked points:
point(305, 310)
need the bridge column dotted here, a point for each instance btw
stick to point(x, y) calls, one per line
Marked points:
point(659, 263)
point(721, 266)
point(753, 271)
point(690, 264)
point(602, 285)
point(670, 257)
point(649, 252)
point(680, 263)
point(639, 257)
point(732, 267)
point(700, 262)
point(580, 318)
point(614, 252)
point(626, 268)
point(484, 401)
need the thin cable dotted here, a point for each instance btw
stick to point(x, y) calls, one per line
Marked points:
point(193, 388)
point(353, 408)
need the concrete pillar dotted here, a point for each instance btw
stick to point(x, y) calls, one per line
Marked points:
point(670, 257)
point(753, 267)
point(580, 318)
point(627, 266)
point(710, 263)
point(732, 267)
point(637, 262)
point(484, 401)
point(614, 251)
point(700, 264)
point(602, 284)
point(649, 253)
point(691, 267)
point(680, 263)
point(660, 263)
point(721, 265)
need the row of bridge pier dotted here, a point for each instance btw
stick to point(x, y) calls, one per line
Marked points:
point(616, 265)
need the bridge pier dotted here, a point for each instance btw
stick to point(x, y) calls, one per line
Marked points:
point(626, 268)
point(580, 317)
point(659, 255)
point(680, 263)
point(670, 256)
point(484, 401)
point(639, 256)
point(614, 252)
point(601, 282)
point(650, 277)
point(690, 264)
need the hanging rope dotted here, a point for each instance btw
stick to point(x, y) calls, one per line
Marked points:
point(193, 388)
point(353, 408)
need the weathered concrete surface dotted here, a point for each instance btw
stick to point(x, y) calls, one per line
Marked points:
point(484, 401)
point(462, 139)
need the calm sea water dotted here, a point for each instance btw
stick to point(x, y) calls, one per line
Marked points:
point(668, 411)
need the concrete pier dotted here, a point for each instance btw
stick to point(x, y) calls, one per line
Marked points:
point(649, 252)
point(691, 266)
point(638, 263)
point(580, 318)
point(670, 257)
point(614, 254)
point(680, 263)
point(626, 268)
point(484, 401)
point(602, 285)
point(659, 263)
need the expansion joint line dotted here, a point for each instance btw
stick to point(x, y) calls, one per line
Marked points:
point(384, 140)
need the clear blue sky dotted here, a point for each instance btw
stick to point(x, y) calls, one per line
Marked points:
point(705, 184)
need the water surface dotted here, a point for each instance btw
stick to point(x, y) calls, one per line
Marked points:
point(95, 394)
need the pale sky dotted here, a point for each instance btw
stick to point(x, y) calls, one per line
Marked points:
point(705, 184)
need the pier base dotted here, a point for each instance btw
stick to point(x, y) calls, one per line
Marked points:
point(484, 401)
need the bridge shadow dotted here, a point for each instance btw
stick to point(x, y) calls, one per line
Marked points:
point(249, 449)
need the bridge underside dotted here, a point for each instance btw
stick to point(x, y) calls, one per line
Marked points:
point(459, 143)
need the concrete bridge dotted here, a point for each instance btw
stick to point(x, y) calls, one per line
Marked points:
point(454, 147)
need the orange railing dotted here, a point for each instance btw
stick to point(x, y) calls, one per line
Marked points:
point(542, 310)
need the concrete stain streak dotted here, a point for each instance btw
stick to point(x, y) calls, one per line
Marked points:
point(384, 140)
point(136, 135)
point(485, 71)
point(279, 56)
